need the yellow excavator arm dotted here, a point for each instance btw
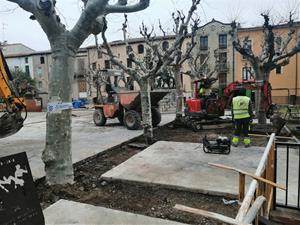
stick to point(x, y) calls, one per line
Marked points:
point(11, 120)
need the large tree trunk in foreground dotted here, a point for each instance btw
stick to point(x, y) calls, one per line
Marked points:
point(146, 110)
point(57, 154)
point(179, 92)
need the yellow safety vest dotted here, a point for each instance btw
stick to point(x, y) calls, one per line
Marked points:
point(240, 106)
point(202, 91)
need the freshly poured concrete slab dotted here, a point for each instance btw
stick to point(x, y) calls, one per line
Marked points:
point(68, 212)
point(87, 139)
point(185, 166)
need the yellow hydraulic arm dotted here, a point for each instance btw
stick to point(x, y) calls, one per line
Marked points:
point(11, 120)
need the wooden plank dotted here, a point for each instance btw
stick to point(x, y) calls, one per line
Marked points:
point(266, 135)
point(250, 193)
point(208, 214)
point(280, 186)
point(254, 210)
point(241, 186)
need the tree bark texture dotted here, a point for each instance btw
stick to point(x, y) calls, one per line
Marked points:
point(259, 96)
point(179, 92)
point(57, 155)
point(146, 110)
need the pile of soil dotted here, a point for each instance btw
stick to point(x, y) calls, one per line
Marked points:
point(156, 201)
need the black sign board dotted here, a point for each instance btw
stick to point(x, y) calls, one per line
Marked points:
point(19, 204)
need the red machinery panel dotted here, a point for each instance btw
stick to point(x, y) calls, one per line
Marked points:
point(194, 105)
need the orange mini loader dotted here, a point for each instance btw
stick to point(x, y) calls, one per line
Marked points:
point(126, 106)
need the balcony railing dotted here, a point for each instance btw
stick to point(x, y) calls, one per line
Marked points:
point(223, 67)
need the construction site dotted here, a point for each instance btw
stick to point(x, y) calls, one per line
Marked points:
point(169, 138)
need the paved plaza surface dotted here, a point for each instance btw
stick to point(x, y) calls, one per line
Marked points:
point(79, 213)
point(185, 166)
point(87, 139)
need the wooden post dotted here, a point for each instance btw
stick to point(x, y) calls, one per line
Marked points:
point(241, 186)
point(270, 175)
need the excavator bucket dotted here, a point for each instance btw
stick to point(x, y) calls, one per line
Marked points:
point(10, 123)
point(11, 120)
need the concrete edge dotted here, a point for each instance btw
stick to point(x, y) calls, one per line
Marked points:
point(172, 187)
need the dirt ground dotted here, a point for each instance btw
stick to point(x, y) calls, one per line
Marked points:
point(155, 201)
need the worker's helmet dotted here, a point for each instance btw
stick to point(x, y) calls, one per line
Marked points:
point(240, 91)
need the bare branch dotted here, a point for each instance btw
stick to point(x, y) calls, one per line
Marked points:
point(161, 28)
point(113, 58)
point(44, 12)
point(122, 7)
point(27, 5)
point(91, 19)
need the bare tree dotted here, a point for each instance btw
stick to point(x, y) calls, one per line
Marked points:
point(155, 61)
point(276, 52)
point(64, 45)
point(180, 30)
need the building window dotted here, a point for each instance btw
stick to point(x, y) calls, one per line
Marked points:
point(223, 57)
point(26, 59)
point(279, 70)
point(129, 49)
point(223, 41)
point(222, 79)
point(40, 85)
point(94, 66)
point(99, 54)
point(129, 63)
point(81, 66)
point(203, 58)
point(42, 60)
point(39, 71)
point(140, 49)
point(107, 64)
point(248, 46)
point(165, 45)
point(27, 70)
point(246, 73)
point(204, 43)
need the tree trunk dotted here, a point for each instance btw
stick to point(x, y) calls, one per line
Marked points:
point(260, 111)
point(146, 110)
point(57, 155)
point(179, 92)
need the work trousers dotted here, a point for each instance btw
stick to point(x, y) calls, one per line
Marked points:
point(242, 126)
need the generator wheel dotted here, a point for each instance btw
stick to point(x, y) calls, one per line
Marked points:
point(132, 120)
point(99, 117)
point(156, 117)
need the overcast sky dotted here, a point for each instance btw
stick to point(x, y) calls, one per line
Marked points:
point(16, 27)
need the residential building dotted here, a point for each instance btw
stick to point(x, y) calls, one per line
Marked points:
point(38, 65)
point(285, 80)
point(18, 57)
point(213, 41)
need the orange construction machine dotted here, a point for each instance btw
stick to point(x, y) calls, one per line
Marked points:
point(205, 108)
point(11, 106)
point(125, 105)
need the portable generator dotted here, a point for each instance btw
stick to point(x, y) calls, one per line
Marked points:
point(221, 145)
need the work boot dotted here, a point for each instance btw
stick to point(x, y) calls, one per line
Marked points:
point(235, 141)
point(247, 142)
